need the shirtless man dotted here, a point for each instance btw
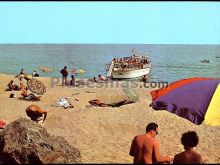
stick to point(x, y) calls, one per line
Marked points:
point(145, 148)
point(21, 74)
point(189, 140)
point(36, 113)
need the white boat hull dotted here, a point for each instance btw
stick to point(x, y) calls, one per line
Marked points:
point(130, 73)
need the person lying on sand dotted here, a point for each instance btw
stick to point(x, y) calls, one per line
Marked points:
point(27, 96)
point(36, 113)
point(189, 140)
point(117, 104)
point(145, 148)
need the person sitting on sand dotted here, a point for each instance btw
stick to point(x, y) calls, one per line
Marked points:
point(27, 96)
point(11, 86)
point(73, 81)
point(145, 148)
point(189, 140)
point(36, 113)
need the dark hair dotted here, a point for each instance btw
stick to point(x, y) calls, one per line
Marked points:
point(151, 126)
point(190, 139)
point(65, 67)
point(72, 76)
point(11, 95)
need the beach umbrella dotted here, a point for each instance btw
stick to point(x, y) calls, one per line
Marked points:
point(195, 99)
point(36, 86)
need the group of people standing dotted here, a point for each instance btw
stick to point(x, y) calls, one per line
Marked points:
point(145, 148)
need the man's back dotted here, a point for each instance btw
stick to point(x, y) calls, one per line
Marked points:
point(142, 149)
point(148, 151)
point(188, 158)
point(136, 149)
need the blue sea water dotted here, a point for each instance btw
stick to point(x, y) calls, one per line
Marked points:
point(169, 62)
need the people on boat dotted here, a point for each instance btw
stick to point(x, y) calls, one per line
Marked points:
point(130, 62)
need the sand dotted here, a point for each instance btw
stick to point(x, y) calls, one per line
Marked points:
point(104, 134)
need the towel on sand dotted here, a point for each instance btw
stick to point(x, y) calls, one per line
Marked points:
point(64, 103)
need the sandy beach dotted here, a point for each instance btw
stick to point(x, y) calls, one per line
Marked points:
point(104, 134)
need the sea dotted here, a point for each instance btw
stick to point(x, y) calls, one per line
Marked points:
point(169, 62)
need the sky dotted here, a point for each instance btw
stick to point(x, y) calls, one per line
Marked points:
point(110, 22)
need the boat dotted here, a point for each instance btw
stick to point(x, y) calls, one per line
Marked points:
point(134, 66)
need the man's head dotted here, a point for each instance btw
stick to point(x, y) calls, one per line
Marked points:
point(152, 129)
point(65, 67)
point(190, 139)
